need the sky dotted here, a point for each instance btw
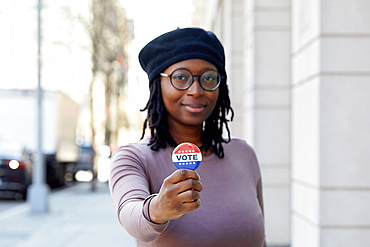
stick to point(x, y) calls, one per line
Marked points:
point(15, 48)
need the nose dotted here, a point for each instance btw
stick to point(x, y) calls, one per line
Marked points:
point(195, 89)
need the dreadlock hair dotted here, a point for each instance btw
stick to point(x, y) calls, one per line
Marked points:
point(212, 127)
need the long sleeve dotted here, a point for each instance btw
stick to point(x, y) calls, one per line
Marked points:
point(258, 179)
point(129, 188)
point(260, 200)
point(232, 194)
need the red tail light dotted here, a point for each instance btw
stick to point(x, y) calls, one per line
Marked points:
point(15, 164)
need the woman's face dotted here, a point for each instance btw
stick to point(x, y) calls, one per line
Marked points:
point(193, 105)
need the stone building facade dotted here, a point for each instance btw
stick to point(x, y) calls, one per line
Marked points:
point(299, 76)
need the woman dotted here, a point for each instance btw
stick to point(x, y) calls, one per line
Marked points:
point(220, 204)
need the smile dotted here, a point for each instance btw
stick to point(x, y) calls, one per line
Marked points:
point(194, 108)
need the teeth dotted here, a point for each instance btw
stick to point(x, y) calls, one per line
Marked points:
point(192, 201)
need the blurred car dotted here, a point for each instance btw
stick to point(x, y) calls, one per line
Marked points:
point(15, 171)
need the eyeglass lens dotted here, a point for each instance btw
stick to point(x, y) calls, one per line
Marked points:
point(182, 78)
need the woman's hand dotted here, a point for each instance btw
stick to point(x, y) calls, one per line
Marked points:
point(179, 194)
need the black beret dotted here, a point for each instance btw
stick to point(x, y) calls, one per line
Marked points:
point(179, 45)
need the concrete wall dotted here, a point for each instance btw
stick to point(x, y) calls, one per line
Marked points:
point(330, 123)
point(299, 76)
point(256, 37)
point(268, 107)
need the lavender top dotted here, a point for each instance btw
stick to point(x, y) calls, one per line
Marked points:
point(231, 212)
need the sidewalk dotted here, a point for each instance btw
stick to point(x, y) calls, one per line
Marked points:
point(77, 217)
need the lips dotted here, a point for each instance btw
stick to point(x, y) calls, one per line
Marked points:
point(194, 107)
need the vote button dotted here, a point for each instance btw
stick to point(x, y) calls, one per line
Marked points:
point(187, 156)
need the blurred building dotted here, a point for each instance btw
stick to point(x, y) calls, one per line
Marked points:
point(299, 76)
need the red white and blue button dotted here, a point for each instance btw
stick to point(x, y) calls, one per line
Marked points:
point(187, 156)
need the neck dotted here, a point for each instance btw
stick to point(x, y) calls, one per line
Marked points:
point(182, 134)
point(190, 134)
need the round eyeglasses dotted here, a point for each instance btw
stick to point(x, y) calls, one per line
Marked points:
point(182, 79)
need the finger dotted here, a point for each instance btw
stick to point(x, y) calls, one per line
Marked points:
point(188, 184)
point(189, 196)
point(190, 206)
point(182, 174)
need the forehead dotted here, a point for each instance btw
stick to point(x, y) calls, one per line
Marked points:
point(194, 65)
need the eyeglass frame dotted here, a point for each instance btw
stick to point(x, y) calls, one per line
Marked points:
point(192, 79)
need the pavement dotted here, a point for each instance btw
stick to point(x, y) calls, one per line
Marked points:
point(77, 216)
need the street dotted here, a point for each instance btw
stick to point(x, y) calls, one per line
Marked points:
point(7, 204)
point(10, 203)
point(77, 217)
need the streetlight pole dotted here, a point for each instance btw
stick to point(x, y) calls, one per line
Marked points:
point(38, 191)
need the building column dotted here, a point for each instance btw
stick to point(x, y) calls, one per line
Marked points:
point(232, 39)
point(330, 123)
point(267, 107)
point(225, 19)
